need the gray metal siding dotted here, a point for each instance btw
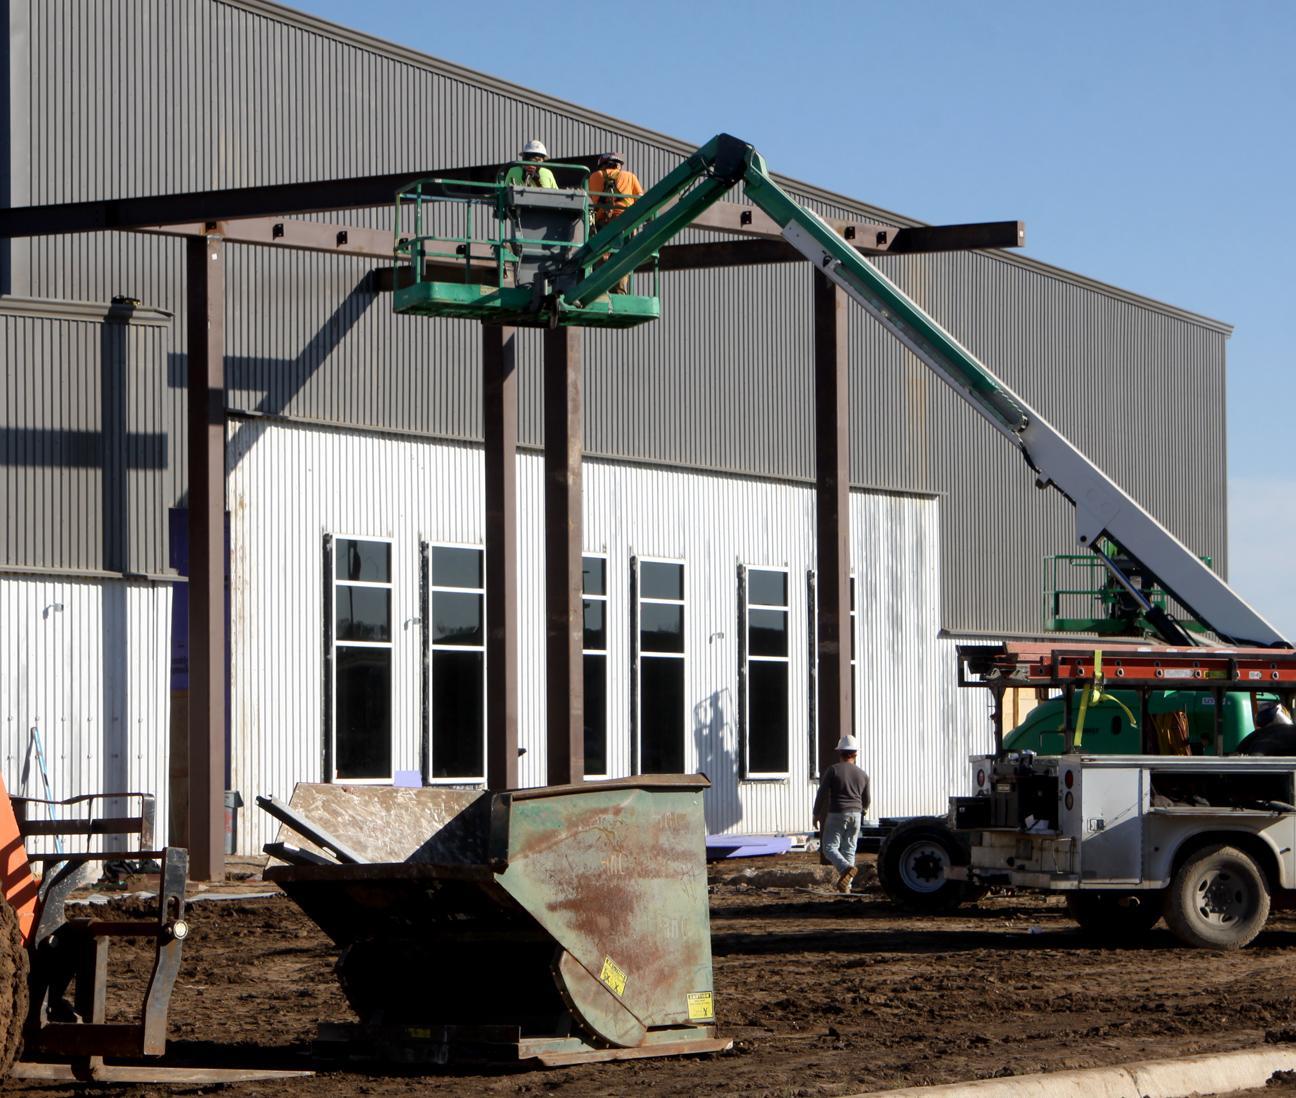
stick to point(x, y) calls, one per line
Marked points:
point(88, 437)
point(723, 382)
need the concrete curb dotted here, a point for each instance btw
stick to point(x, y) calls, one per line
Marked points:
point(1217, 1073)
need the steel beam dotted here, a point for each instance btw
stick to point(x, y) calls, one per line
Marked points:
point(564, 613)
point(832, 515)
point(958, 238)
point(206, 319)
point(278, 200)
point(500, 432)
point(278, 232)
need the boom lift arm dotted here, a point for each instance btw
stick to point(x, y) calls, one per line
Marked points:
point(1102, 507)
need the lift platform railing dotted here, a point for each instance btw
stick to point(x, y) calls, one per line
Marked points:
point(1081, 596)
point(512, 251)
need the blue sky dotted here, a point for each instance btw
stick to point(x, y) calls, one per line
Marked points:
point(1149, 145)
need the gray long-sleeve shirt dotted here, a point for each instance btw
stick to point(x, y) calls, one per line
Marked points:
point(844, 787)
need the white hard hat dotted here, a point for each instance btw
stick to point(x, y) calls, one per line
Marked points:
point(534, 147)
point(848, 743)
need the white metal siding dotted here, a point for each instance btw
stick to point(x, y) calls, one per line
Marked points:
point(87, 663)
point(289, 485)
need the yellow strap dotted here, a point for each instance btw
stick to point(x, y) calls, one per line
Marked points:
point(1093, 695)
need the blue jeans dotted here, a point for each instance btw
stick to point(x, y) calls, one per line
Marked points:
point(841, 831)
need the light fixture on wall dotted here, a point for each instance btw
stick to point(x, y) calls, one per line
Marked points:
point(56, 607)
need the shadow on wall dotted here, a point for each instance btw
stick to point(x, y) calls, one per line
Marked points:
point(283, 379)
point(712, 737)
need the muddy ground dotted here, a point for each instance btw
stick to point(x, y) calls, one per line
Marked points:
point(822, 994)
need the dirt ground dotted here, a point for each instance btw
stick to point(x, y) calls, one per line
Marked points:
point(822, 994)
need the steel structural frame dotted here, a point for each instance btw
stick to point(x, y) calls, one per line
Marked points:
point(256, 216)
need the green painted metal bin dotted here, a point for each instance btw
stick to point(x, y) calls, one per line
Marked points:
point(553, 925)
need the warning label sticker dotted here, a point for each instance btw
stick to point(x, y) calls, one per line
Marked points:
point(700, 1007)
point(613, 976)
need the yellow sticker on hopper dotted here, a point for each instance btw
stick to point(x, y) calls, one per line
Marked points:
point(700, 1007)
point(613, 976)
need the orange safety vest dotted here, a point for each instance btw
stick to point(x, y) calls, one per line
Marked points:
point(619, 190)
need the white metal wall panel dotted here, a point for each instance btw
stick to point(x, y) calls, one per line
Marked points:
point(86, 663)
point(289, 485)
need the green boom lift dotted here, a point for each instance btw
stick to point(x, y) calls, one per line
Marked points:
point(552, 271)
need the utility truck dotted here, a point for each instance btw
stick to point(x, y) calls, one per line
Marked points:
point(1208, 841)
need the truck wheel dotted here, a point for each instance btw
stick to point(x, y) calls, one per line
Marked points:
point(912, 863)
point(1115, 916)
point(1218, 899)
point(13, 988)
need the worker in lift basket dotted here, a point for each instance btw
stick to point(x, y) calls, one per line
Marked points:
point(613, 190)
point(531, 172)
point(839, 807)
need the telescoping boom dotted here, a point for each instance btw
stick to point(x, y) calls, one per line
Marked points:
point(1103, 509)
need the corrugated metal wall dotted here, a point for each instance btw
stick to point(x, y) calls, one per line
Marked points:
point(81, 664)
point(290, 485)
point(90, 430)
point(173, 95)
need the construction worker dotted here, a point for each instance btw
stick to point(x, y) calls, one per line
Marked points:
point(612, 191)
point(531, 172)
point(839, 808)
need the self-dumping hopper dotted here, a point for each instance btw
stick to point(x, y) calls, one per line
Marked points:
point(561, 924)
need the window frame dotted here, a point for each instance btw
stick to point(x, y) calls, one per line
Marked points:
point(746, 658)
point(433, 647)
point(605, 652)
point(331, 662)
point(639, 655)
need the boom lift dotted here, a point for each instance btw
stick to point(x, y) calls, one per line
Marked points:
point(571, 287)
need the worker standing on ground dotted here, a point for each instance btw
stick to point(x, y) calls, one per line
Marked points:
point(839, 807)
point(531, 172)
point(613, 190)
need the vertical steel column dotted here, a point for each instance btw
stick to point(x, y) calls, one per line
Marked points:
point(832, 515)
point(564, 615)
point(206, 319)
point(499, 413)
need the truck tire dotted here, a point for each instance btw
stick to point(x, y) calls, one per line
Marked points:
point(1115, 916)
point(13, 988)
point(1218, 899)
point(912, 862)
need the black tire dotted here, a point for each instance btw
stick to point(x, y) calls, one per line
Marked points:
point(1115, 916)
point(1218, 899)
point(13, 988)
point(912, 862)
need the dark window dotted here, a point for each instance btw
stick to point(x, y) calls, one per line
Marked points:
point(661, 667)
point(458, 713)
point(363, 561)
point(363, 613)
point(765, 651)
point(661, 581)
point(362, 660)
point(363, 708)
point(594, 586)
point(661, 732)
point(453, 567)
point(458, 639)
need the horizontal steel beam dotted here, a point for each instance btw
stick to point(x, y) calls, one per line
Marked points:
point(281, 199)
point(927, 238)
point(309, 236)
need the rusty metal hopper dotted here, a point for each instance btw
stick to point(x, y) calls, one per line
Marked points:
point(559, 924)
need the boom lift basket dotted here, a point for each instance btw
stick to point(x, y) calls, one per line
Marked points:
point(506, 248)
point(559, 924)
